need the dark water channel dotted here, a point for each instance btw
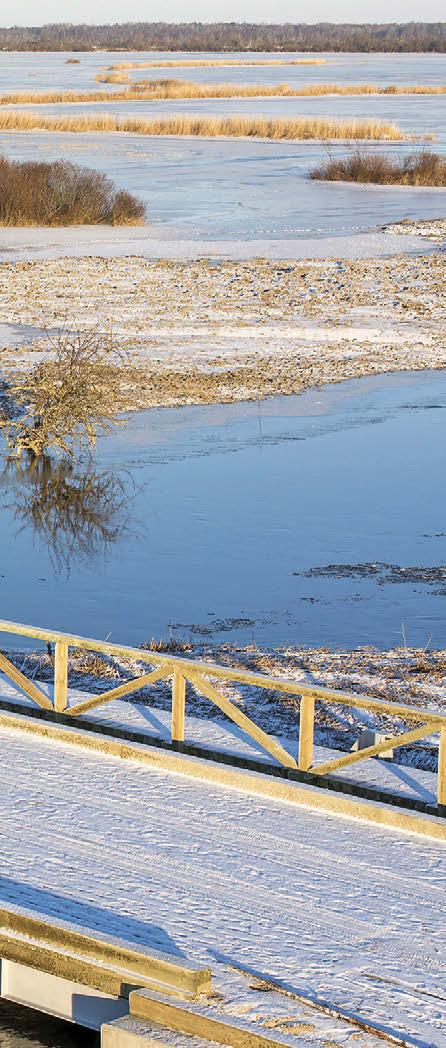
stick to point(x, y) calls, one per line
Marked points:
point(317, 520)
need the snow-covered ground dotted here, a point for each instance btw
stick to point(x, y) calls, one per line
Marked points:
point(145, 241)
point(323, 905)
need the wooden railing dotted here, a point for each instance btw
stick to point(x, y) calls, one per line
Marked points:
point(201, 676)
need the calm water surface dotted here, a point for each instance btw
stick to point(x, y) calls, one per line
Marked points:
point(289, 521)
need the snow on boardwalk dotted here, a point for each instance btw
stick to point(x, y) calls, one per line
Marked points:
point(324, 904)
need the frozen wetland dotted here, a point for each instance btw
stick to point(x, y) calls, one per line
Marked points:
point(301, 534)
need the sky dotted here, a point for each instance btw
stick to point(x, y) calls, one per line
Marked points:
point(38, 12)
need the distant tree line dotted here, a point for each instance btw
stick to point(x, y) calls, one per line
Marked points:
point(226, 36)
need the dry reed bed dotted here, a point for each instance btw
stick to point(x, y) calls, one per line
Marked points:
point(193, 62)
point(159, 90)
point(417, 169)
point(299, 128)
point(188, 89)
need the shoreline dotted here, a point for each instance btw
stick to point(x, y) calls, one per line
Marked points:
point(206, 332)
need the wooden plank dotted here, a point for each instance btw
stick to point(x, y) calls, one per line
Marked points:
point(61, 676)
point(270, 745)
point(441, 797)
point(123, 689)
point(372, 751)
point(178, 706)
point(235, 674)
point(18, 678)
point(306, 733)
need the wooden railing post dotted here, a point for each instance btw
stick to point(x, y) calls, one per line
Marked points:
point(178, 706)
point(441, 795)
point(61, 676)
point(306, 733)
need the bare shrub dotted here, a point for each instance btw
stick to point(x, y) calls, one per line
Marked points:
point(417, 169)
point(67, 400)
point(60, 193)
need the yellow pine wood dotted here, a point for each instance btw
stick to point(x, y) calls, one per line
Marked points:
point(178, 706)
point(270, 745)
point(372, 751)
point(306, 732)
point(61, 676)
point(236, 674)
point(123, 689)
point(24, 684)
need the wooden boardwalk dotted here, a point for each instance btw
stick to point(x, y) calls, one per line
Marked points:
point(321, 904)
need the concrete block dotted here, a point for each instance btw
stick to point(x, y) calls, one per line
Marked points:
point(61, 997)
point(368, 737)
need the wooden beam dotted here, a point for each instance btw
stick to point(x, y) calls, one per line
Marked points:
point(160, 673)
point(270, 745)
point(178, 706)
point(372, 751)
point(235, 674)
point(442, 768)
point(306, 733)
point(61, 676)
point(18, 678)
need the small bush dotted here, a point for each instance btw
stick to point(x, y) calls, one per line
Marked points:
point(417, 169)
point(67, 400)
point(72, 61)
point(62, 194)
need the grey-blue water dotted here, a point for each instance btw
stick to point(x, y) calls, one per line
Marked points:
point(239, 189)
point(314, 520)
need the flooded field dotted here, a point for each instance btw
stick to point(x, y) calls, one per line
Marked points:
point(45, 71)
point(314, 520)
point(240, 190)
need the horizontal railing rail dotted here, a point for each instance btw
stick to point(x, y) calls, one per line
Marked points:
point(202, 677)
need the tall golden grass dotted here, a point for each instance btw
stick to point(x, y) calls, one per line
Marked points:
point(157, 90)
point(170, 64)
point(417, 169)
point(229, 126)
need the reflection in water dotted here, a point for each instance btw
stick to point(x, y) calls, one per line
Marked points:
point(78, 510)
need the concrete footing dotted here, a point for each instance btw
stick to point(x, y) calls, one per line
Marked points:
point(60, 997)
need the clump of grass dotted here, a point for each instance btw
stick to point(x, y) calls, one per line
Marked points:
point(60, 194)
point(72, 61)
point(299, 128)
point(112, 78)
point(417, 169)
point(170, 63)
